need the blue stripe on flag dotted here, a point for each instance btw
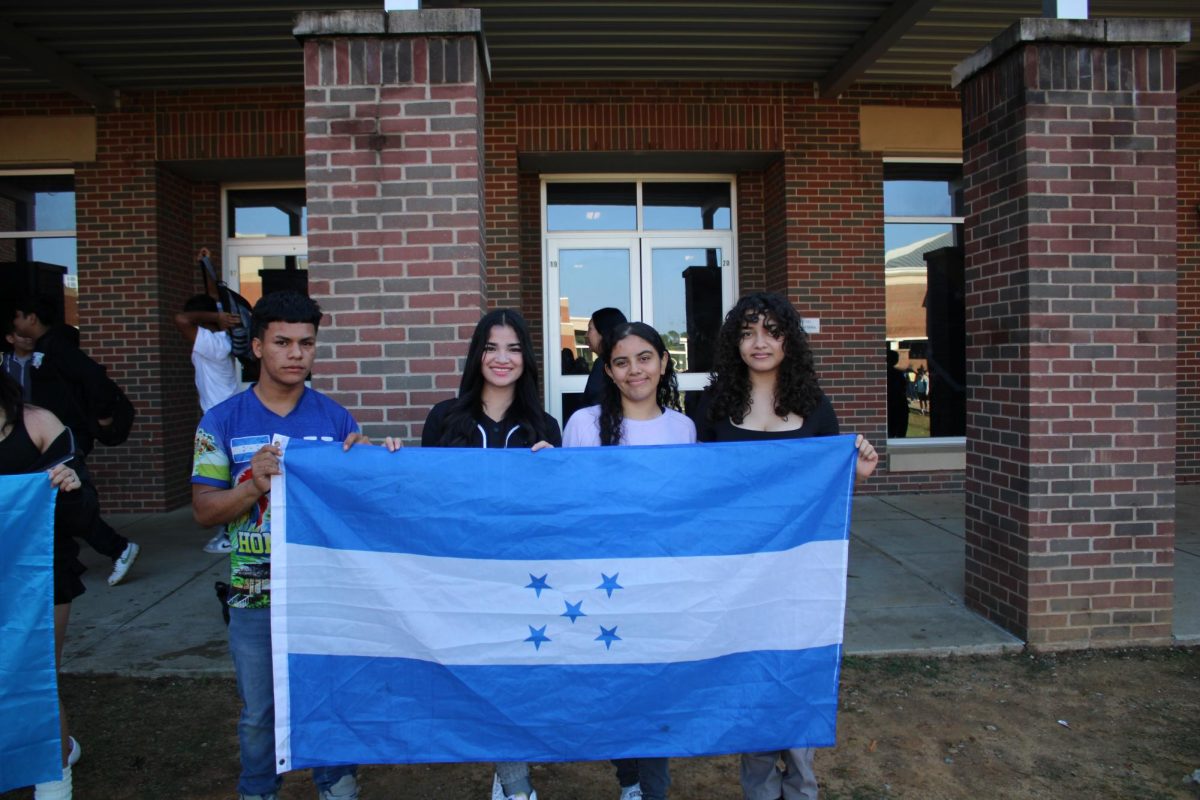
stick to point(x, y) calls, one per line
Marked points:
point(681, 500)
point(408, 711)
point(30, 750)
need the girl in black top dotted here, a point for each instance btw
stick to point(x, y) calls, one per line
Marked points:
point(498, 405)
point(764, 387)
point(32, 439)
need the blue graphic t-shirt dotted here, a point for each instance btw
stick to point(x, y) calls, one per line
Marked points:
point(229, 435)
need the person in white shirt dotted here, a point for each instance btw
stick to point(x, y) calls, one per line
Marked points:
point(205, 328)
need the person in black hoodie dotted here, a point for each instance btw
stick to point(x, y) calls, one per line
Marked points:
point(67, 382)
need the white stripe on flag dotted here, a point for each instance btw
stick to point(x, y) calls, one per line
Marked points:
point(490, 612)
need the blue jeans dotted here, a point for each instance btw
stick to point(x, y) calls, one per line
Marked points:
point(250, 645)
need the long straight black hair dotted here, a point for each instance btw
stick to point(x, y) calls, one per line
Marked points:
point(612, 414)
point(526, 406)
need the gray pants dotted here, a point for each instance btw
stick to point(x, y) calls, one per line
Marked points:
point(762, 780)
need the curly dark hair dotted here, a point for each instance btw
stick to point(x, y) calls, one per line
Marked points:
point(526, 407)
point(612, 413)
point(796, 388)
point(283, 306)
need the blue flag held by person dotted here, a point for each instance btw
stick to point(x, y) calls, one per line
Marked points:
point(30, 748)
point(440, 604)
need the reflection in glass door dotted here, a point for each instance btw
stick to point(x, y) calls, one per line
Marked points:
point(584, 276)
point(685, 281)
point(679, 285)
point(658, 248)
point(255, 268)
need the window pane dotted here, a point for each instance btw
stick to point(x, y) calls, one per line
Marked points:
point(923, 279)
point(267, 212)
point(687, 304)
point(918, 199)
point(258, 275)
point(685, 206)
point(37, 203)
point(588, 280)
point(591, 206)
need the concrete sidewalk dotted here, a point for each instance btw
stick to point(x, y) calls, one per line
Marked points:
point(904, 591)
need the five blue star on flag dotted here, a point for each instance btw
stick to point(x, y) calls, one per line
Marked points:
point(537, 636)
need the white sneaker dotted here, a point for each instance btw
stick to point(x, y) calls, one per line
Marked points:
point(498, 791)
point(345, 789)
point(55, 790)
point(76, 752)
point(121, 565)
point(219, 544)
point(632, 792)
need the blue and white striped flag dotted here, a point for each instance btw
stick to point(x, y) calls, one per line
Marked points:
point(30, 750)
point(437, 605)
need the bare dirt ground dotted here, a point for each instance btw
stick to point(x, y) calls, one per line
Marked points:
point(1103, 724)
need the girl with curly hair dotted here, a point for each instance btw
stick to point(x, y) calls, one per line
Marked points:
point(764, 387)
point(640, 406)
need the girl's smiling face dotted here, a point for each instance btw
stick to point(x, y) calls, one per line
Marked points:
point(503, 361)
point(636, 367)
point(761, 345)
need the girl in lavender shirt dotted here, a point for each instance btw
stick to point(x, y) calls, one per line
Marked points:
point(640, 406)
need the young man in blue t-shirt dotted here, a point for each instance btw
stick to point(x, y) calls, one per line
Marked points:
point(235, 457)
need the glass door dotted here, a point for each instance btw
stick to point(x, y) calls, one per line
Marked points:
point(659, 248)
point(677, 284)
point(685, 281)
point(583, 275)
point(253, 268)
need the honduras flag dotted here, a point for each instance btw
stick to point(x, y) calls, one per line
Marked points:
point(30, 750)
point(435, 605)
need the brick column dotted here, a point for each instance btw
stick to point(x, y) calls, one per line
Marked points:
point(393, 114)
point(135, 270)
point(1069, 145)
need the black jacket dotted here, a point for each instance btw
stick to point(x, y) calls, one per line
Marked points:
point(488, 432)
point(72, 385)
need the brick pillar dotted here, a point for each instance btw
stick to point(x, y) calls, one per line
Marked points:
point(393, 120)
point(134, 245)
point(1069, 145)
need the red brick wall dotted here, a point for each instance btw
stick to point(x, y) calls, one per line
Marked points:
point(395, 225)
point(176, 283)
point(1070, 249)
point(1187, 450)
point(139, 226)
point(811, 223)
point(121, 324)
point(250, 123)
point(833, 195)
